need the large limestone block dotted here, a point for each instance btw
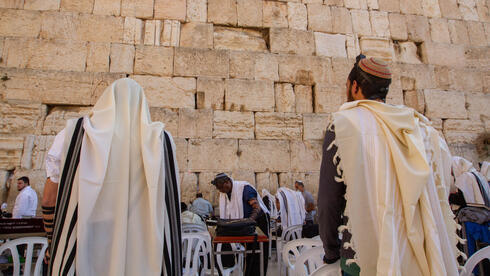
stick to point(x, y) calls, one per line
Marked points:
point(287, 179)
point(418, 28)
point(83, 6)
point(213, 155)
point(239, 39)
point(398, 26)
point(154, 60)
point(380, 23)
point(196, 35)
point(35, 151)
point(245, 175)
point(330, 45)
point(468, 11)
point(275, 125)
point(449, 9)
point(195, 123)
point(19, 23)
point(238, 125)
point(169, 118)
point(352, 45)
point(360, 22)
point(430, 8)
point(377, 47)
point(137, 8)
point(445, 104)
point(389, 5)
point(395, 96)
point(12, 4)
point(53, 87)
point(202, 63)
point(181, 145)
point(249, 13)
point(289, 41)
point(266, 67)
point(319, 18)
point(170, 9)
point(222, 12)
point(306, 156)
point(188, 187)
point(152, 32)
point(341, 20)
point(297, 16)
point(210, 93)
point(315, 125)
point(477, 105)
point(208, 190)
point(406, 52)
point(415, 100)
point(463, 131)
point(303, 98)
point(122, 58)
point(439, 30)
point(133, 30)
point(254, 65)
point(419, 76)
point(10, 152)
point(355, 4)
point(105, 7)
point(44, 54)
point(59, 115)
point(247, 95)
point(468, 80)
point(341, 69)
point(264, 155)
point(197, 11)
point(458, 32)
point(285, 97)
point(274, 14)
point(98, 57)
point(170, 36)
point(438, 53)
point(168, 92)
point(305, 70)
point(411, 7)
point(477, 35)
point(268, 181)
point(328, 99)
point(21, 118)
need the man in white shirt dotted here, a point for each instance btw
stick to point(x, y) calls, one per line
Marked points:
point(26, 201)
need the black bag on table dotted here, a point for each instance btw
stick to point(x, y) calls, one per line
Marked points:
point(236, 227)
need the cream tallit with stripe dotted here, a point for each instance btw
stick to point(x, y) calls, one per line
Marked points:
point(397, 173)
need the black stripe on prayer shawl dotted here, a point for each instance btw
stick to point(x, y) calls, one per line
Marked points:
point(73, 223)
point(64, 188)
point(172, 202)
point(70, 260)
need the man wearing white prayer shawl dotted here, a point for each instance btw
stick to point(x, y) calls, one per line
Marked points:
point(472, 184)
point(384, 184)
point(111, 200)
point(237, 200)
point(291, 207)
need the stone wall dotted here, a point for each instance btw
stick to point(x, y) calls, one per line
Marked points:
point(245, 86)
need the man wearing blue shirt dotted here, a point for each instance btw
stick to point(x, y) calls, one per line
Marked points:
point(201, 206)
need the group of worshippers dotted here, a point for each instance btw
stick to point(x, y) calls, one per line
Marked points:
point(111, 200)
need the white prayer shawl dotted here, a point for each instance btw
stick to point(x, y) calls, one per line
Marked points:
point(485, 170)
point(292, 207)
point(233, 208)
point(465, 174)
point(272, 202)
point(395, 167)
point(121, 188)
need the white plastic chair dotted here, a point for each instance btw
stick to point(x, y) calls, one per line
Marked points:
point(238, 260)
point(289, 234)
point(30, 242)
point(196, 248)
point(475, 259)
point(327, 270)
point(293, 249)
point(193, 228)
point(309, 261)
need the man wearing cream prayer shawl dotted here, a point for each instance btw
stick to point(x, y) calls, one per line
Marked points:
point(117, 202)
point(384, 184)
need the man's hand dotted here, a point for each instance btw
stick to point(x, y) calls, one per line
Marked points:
point(256, 208)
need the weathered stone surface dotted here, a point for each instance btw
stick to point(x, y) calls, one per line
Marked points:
point(463, 131)
point(104, 7)
point(195, 62)
point(264, 155)
point(83, 6)
point(210, 93)
point(268, 181)
point(380, 23)
point(420, 75)
point(246, 95)
point(170, 9)
point(222, 12)
point(195, 123)
point(98, 57)
point(438, 53)
point(360, 22)
point(341, 69)
point(315, 125)
point(266, 67)
point(133, 30)
point(52, 87)
point(304, 70)
point(196, 35)
point(297, 16)
point(289, 41)
point(249, 13)
point(213, 155)
point(285, 97)
point(242, 65)
point(468, 10)
point(418, 28)
point(274, 14)
point(197, 11)
point(238, 125)
point(445, 104)
point(154, 60)
point(341, 20)
point(328, 99)
point(319, 18)
point(171, 33)
point(377, 47)
point(476, 33)
point(168, 92)
point(45, 55)
point(430, 8)
point(245, 175)
point(34, 152)
point(239, 39)
point(208, 190)
point(171, 120)
point(411, 7)
point(398, 26)
point(389, 5)
point(415, 100)
point(21, 118)
point(467, 80)
point(439, 30)
point(303, 99)
point(352, 45)
point(19, 23)
point(152, 32)
point(406, 52)
point(188, 186)
point(288, 126)
point(395, 96)
point(306, 156)
point(122, 58)
point(330, 45)
point(459, 32)
point(137, 8)
point(355, 4)
point(10, 152)
point(449, 9)
point(477, 105)
point(57, 117)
